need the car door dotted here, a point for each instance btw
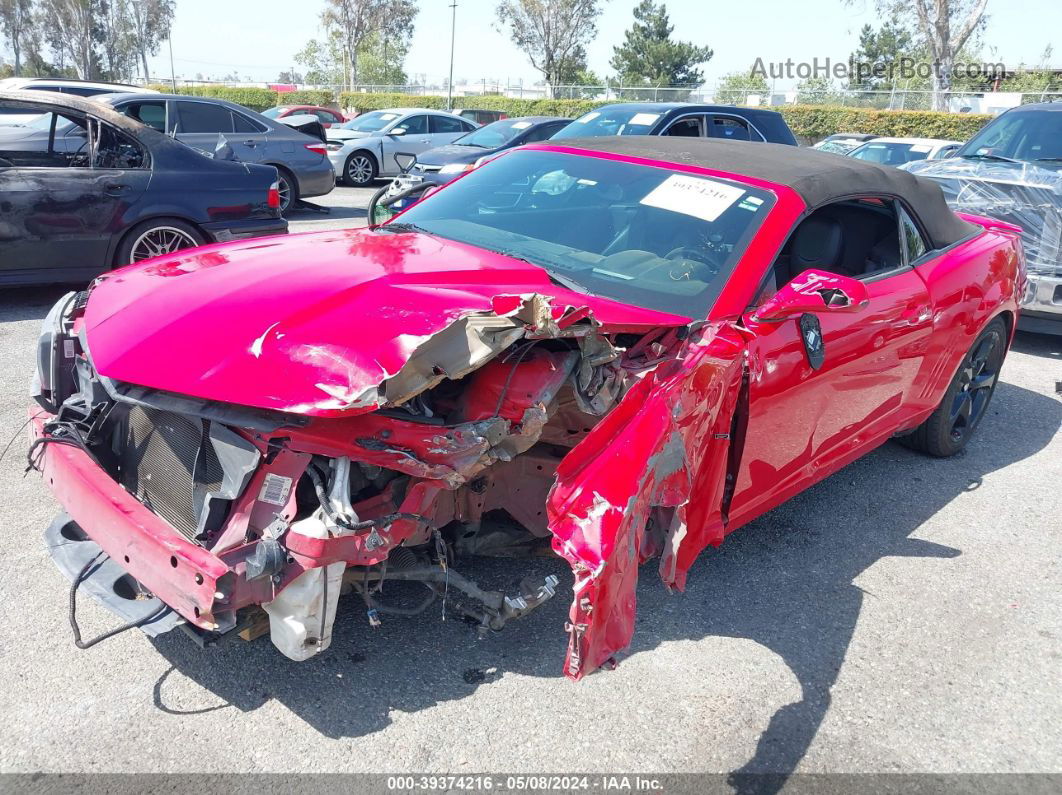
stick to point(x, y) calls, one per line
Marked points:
point(446, 129)
point(199, 124)
point(690, 126)
point(63, 217)
point(411, 134)
point(806, 422)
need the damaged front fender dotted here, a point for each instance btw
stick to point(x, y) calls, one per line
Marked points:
point(665, 453)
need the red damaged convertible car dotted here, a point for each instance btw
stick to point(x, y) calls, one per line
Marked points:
point(623, 348)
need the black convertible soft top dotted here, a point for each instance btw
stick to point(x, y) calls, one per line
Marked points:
point(818, 177)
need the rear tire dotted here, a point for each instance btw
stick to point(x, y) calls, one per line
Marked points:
point(966, 400)
point(289, 190)
point(155, 238)
point(360, 169)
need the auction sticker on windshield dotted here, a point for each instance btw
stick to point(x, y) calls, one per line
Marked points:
point(643, 119)
point(706, 199)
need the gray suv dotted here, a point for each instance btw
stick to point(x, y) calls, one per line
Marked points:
point(300, 159)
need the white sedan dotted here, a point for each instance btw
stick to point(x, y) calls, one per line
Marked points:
point(364, 148)
point(897, 151)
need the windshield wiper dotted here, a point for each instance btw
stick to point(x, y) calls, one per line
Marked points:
point(402, 226)
point(1047, 159)
point(556, 278)
point(1001, 158)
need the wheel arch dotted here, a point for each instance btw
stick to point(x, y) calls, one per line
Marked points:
point(118, 240)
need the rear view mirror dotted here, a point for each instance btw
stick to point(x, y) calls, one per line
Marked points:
point(814, 291)
point(398, 131)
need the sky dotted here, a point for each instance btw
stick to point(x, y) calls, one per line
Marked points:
point(257, 38)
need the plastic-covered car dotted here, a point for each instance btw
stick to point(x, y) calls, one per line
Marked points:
point(612, 349)
point(1012, 170)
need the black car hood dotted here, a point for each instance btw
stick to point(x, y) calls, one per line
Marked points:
point(454, 153)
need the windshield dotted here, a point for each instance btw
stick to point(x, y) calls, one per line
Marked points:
point(495, 134)
point(647, 236)
point(371, 122)
point(273, 113)
point(1019, 135)
point(891, 154)
point(618, 120)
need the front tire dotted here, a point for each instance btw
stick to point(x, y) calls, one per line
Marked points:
point(360, 169)
point(155, 238)
point(966, 400)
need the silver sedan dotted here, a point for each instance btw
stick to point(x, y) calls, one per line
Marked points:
point(365, 147)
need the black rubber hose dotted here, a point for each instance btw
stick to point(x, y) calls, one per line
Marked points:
point(87, 644)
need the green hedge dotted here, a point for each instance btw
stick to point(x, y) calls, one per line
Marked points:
point(812, 123)
point(809, 123)
point(362, 102)
point(254, 98)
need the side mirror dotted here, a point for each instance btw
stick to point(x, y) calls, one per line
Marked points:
point(814, 291)
point(398, 131)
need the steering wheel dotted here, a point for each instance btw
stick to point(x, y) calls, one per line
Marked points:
point(687, 271)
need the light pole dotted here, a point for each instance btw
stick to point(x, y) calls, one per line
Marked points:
point(453, 33)
point(173, 78)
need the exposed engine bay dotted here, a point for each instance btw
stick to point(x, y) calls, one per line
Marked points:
point(454, 455)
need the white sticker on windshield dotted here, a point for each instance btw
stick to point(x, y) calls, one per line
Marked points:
point(589, 117)
point(388, 116)
point(521, 125)
point(701, 198)
point(644, 119)
point(920, 148)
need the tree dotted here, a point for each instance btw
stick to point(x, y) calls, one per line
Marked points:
point(380, 60)
point(116, 34)
point(71, 32)
point(816, 91)
point(16, 17)
point(884, 49)
point(944, 27)
point(550, 32)
point(357, 20)
point(323, 60)
point(649, 56)
point(152, 21)
point(287, 76)
point(734, 88)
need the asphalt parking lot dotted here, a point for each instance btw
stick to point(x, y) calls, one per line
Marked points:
point(902, 616)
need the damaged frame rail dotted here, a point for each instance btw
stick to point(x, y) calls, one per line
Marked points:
point(650, 475)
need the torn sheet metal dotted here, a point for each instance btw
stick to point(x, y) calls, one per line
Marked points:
point(665, 445)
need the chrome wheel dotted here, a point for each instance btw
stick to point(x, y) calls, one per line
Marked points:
point(359, 169)
point(160, 240)
point(977, 379)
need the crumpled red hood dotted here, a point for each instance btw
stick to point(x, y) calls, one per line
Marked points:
point(284, 323)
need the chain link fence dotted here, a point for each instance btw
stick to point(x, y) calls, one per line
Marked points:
point(895, 99)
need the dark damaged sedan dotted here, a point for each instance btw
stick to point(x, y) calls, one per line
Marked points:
point(113, 192)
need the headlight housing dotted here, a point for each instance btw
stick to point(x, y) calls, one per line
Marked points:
point(456, 168)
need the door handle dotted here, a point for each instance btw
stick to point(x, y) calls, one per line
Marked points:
point(115, 190)
point(250, 143)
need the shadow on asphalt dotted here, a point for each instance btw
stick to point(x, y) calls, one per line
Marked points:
point(785, 581)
